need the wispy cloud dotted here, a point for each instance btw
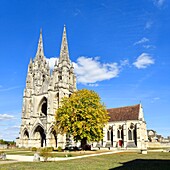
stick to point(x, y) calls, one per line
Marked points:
point(159, 3)
point(93, 85)
point(77, 12)
point(141, 41)
point(155, 99)
point(10, 88)
point(149, 46)
point(148, 24)
point(6, 117)
point(143, 61)
point(15, 127)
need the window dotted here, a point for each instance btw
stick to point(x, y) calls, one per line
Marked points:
point(59, 78)
point(129, 134)
point(43, 78)
point(118, 133)
point(108, 135)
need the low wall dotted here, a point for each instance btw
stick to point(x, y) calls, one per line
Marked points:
point(3, 146)
point(158, 145)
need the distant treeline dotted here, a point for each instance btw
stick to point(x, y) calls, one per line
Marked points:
point(7, 142)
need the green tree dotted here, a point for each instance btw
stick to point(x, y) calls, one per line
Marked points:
point(83, 116)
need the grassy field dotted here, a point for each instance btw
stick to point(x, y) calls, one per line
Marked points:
point(119, 161)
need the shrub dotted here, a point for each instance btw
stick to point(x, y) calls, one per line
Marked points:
point(34, 149)
point(50, 149)
point(69, 155)
point(59, 149)
point(46, 153)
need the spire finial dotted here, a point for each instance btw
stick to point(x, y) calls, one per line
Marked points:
point(64, 54)
point(40, 51)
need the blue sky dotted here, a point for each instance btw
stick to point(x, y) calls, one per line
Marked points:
point(119, 48)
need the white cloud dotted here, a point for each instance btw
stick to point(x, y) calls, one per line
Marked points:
point(6, 117)
point(52, 61)
point(91, 70)
point(143, 61)
point(143, 40)
point(158, 3)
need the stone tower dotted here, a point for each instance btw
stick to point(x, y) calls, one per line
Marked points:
point(44, 90)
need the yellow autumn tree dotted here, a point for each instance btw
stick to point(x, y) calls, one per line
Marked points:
point(83, 116)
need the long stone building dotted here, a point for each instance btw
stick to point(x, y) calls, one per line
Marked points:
point(42, 96)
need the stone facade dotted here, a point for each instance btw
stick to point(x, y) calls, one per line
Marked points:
point(42, 96)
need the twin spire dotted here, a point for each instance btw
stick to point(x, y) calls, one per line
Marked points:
point(40, 51)
point(64, 53)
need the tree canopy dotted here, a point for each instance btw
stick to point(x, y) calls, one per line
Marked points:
point(82, 115)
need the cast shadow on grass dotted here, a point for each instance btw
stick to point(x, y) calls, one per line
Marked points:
point(145, 164)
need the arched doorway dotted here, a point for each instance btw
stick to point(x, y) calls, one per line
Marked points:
point(26, 134)
point(40, 136)
point(52, 137)
point(25, 138)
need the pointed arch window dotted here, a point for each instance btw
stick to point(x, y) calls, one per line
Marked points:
point(42, 109)
point(118, 133)
point(108, 135)
point(130, 134)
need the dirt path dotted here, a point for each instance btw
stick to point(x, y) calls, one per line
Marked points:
point(21, 158)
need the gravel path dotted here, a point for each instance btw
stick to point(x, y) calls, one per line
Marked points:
point(21, 158)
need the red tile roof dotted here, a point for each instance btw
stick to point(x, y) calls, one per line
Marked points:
point(124, 113)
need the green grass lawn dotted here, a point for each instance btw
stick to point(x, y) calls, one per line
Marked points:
point(125, 161)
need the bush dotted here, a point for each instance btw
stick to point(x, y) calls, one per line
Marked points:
point(59, 149)
point(50, 149)
point(68, 155)
point(46, 153)
point(34, 149)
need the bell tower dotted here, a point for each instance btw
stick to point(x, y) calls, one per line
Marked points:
point(44, 91)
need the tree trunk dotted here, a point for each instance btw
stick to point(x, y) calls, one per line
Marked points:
point(83, 142)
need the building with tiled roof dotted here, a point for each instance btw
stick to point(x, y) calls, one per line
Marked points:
point(126, 128)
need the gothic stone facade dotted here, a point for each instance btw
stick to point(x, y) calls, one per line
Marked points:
point(42, 96)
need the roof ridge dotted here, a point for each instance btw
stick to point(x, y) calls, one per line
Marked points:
point(124, 106)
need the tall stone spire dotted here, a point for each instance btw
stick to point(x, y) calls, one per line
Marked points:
point(64, 54)
point(40, 51)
